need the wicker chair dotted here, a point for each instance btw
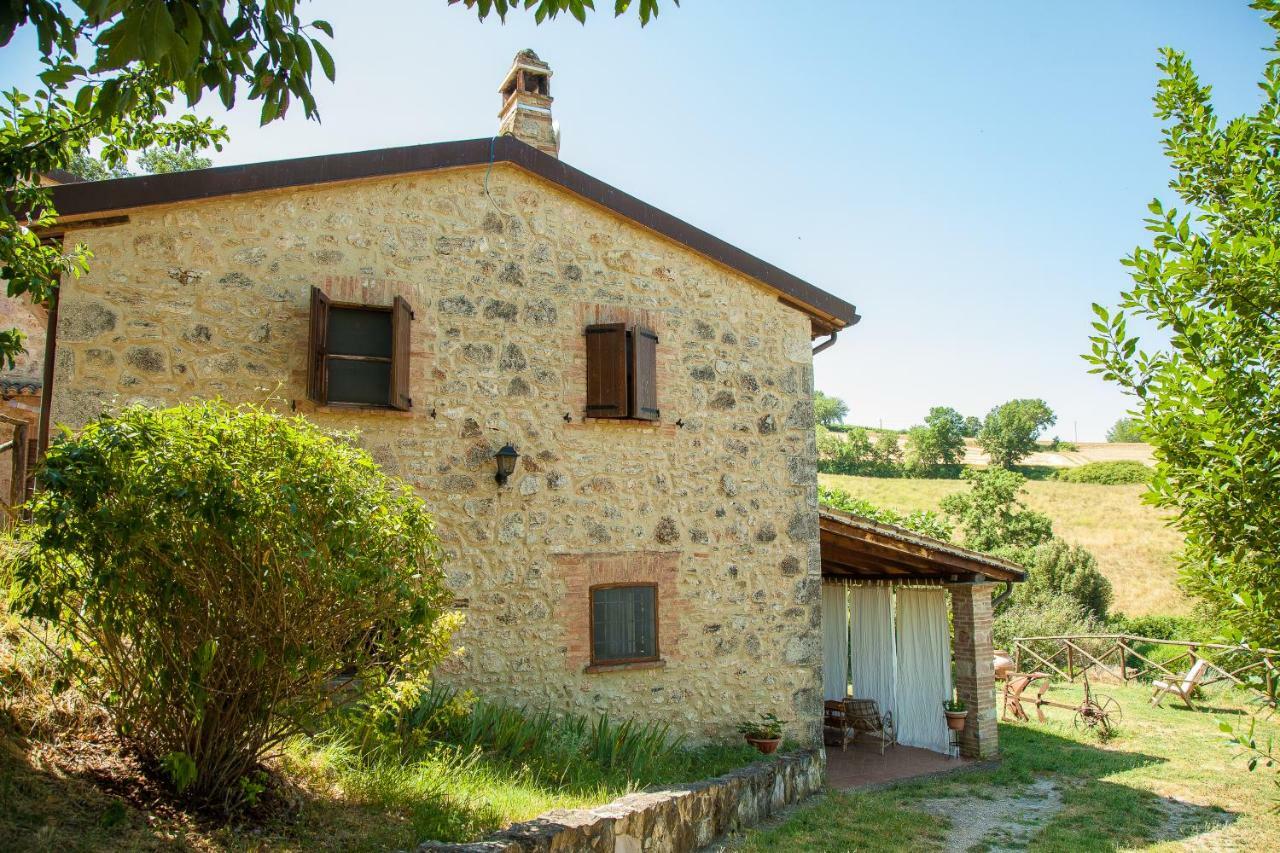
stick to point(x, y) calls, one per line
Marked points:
point(845, 718)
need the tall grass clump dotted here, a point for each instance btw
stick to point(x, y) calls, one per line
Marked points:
point(220, 576)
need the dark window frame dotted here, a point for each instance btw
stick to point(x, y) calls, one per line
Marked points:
point(319, 355)
point(591, 624)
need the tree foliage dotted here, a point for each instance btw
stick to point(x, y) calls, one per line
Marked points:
point(544, 10)
point(1209, 399)
point(153, 161)
point(991, 515)
point(219, 573)
point(1125, 431)
point(938, 442)
point(829, 411)
point(1010, 430)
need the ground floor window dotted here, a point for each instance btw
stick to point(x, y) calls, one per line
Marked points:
point(624, 623)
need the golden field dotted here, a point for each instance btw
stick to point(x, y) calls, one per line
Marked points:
point(1134, 547)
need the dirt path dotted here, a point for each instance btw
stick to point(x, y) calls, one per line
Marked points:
point(998, 823)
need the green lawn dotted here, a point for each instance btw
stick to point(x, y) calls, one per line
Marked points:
point(1166, 782)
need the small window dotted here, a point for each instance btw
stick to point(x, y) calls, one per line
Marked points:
point(622, 368)
point(624, 623)
point(359, 354)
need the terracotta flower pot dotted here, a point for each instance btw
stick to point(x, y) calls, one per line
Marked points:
point(766, 745)
point(955, 720)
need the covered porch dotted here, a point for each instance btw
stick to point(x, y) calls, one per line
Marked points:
point(887, 594)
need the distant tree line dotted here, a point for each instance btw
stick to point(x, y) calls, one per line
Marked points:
point(1008, 434)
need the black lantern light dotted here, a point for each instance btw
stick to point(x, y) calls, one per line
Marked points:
point(507, 458)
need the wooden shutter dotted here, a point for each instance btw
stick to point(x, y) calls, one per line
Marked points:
point(607, 371)
point(644, 375)
point(317, 340)
point(401, 315)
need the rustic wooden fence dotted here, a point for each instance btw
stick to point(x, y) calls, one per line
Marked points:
point(1115, 656)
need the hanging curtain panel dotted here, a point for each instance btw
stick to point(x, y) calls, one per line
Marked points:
point(924, 668)
point(871, 624)
point(835, 641)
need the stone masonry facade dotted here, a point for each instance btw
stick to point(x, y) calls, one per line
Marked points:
point(715, 502)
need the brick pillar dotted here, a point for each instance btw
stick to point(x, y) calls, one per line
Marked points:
point(975, 674)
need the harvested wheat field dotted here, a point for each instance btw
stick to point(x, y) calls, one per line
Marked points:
point(1134, 547)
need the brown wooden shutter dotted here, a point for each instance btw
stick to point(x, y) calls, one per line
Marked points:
point(401, 315)
point(317, 340)
point(644, 375)
point(607, 371)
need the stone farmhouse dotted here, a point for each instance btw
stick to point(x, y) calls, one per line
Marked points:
point(608, 410)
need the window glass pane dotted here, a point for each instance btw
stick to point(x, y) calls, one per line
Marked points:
point(359, 381)
point(356, 331)
point(624, 623)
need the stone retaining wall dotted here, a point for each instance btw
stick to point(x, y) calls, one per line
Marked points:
point(676, 819)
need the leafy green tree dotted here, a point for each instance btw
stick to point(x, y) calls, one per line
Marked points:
point(153, 161)
point(829, 411)
point(1010, 430)
point(114, 71)
point(939, 441)
point(887, 451)
point(991, 515)
point(1125, 430)
point(216, 573)
point(972, 426)
point(1209, 398)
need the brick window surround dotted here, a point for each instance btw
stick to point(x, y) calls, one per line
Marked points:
point(581, 572)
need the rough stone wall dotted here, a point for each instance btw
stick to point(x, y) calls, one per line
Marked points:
point(719, 496)
point(675, 820)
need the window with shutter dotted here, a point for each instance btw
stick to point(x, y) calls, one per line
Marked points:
point(358, 355)
point(622, 366)
point(624, 623)
point(607, 395)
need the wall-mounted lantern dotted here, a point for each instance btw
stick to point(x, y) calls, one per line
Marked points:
point(506, 458)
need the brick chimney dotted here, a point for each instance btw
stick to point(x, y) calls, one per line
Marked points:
point(526, 104)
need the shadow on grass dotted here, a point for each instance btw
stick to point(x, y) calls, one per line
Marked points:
point(992, 806)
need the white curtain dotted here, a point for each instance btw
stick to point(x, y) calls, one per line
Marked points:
point(835, 641)
point(873, 647)
point(924, 668)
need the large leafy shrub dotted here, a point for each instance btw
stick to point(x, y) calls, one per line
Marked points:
point(1052, 615)
point(1106, 473)
point(991, 514)
point(225, 574)
point(1055, 568)
point(938, 442)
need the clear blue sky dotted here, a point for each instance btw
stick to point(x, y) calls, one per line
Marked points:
point(968, 175)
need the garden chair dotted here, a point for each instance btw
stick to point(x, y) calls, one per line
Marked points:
point(1184, 688)
point(850, 716)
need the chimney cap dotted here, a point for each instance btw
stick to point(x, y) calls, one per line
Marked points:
point(525, 60)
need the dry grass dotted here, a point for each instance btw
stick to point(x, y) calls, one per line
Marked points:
point(1134, 547)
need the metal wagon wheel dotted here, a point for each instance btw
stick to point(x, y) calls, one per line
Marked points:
point(1101, 712)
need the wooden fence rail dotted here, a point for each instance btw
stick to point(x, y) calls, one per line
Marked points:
point(1115, 656)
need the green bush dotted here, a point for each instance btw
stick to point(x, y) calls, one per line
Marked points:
point(992, 516)
point(1106, 473)
point(1155, 627)
point(1056, 568)
point(1050, 615)
point(223, 575)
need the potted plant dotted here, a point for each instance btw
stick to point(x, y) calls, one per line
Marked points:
point(956, 712)
point(764, 734)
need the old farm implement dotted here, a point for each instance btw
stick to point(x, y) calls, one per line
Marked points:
point(1101, 713)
